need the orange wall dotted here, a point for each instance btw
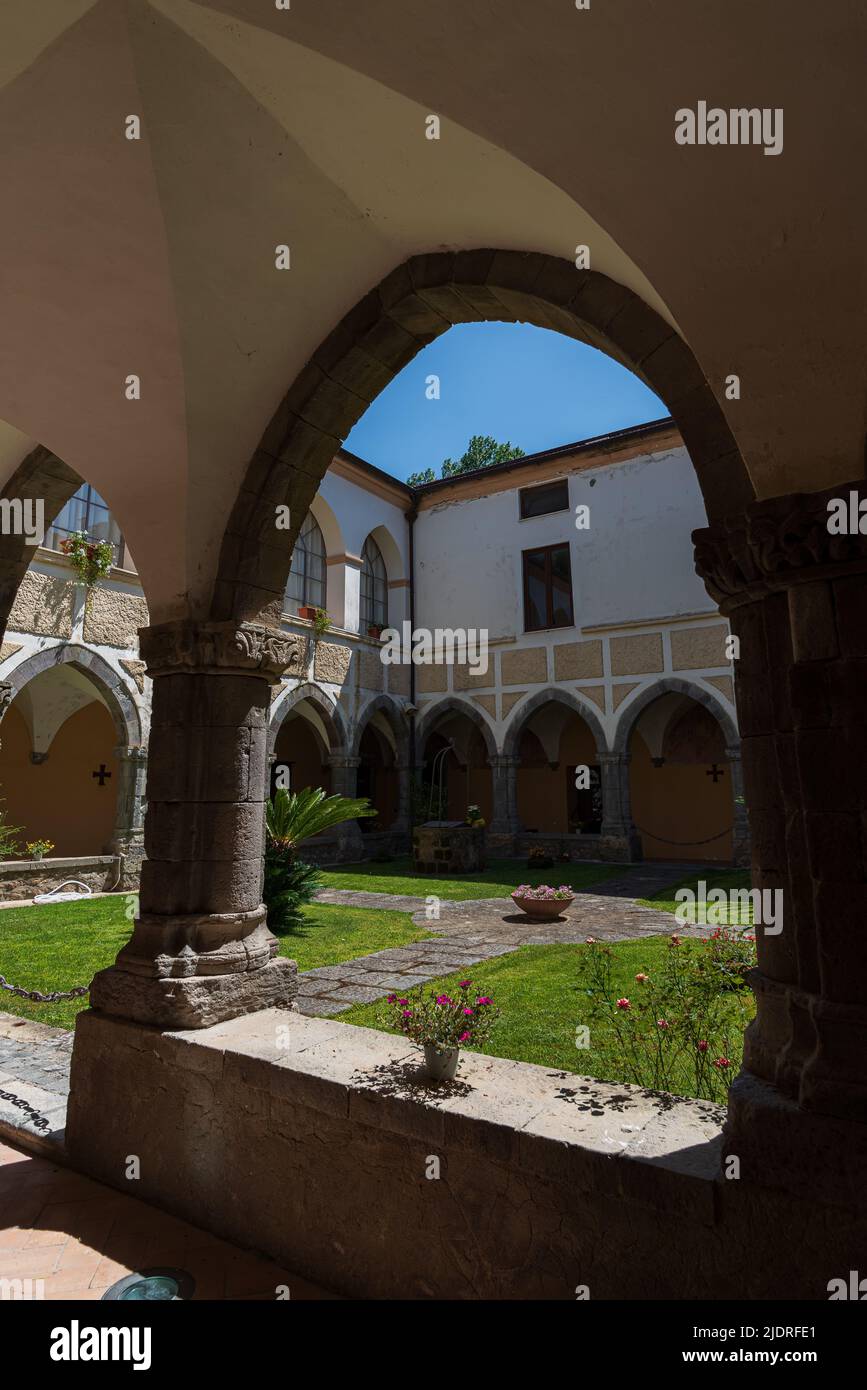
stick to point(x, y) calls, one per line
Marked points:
point(59, 800)
point(543, 792)
point(297, 743)
point(680, 802)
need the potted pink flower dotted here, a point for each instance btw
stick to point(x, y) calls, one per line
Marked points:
point(544, 903)
point(442, 1023)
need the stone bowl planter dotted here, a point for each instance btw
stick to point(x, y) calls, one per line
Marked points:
point(541, 909)
point(441, 1063)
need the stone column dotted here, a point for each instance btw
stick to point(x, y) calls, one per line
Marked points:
point(7, 695)
point(128, 838)
point(201, 950)
point(796, 598)
point(740, 820)
point(504, 785)
point(617, 821)
point(400, 824)
point(344, 782)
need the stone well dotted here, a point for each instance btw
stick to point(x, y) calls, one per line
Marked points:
point(448, 847)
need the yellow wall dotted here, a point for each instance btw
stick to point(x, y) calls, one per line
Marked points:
point(543, 792)
point(299, 744)
point(59, 800)
point(680, 802)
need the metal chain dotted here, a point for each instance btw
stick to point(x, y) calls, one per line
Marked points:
point(37, 998)
point(663, 841)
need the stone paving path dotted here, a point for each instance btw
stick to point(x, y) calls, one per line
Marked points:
point(480, 929)
point(35, 1058)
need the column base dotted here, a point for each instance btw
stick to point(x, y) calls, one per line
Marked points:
point(821, 1158)
point(196, 1001)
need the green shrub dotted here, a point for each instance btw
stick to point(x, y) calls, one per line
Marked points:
point(289, 884)
point(681, 1027)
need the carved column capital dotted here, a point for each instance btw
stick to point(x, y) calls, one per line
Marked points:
point(775, 543)
point(224, 648)
point(7, 695)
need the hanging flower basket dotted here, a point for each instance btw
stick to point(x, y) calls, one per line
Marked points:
point(91, 560)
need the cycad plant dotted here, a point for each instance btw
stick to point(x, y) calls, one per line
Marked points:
point(290, 818)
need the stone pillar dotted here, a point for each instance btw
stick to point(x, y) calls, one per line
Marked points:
point(504, 786)
point(796, 598)
point(128, 837)
point(344, 782)
point(201, 951)
point(617, 821)
point(7, 695)
point(740, 819)
point(400, 824)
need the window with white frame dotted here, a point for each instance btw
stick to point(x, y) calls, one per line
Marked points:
point(306, 586)
point(374, 587)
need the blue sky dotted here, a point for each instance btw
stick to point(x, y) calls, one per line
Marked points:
point(519, 383)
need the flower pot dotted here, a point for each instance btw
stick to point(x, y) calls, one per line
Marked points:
point(441, 1063)
point(374, 631)
point(306, 612)
point(542, 909)
point(39, 855)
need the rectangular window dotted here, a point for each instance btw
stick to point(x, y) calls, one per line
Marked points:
point(547, 588)
point(539, 501)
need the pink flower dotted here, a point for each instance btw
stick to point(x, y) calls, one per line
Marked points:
point(642, 978)
point(590, 940)
point(722, 1062)
point(443, 999)
point(662, 1023)
point(703, 1046)
point(484, 999)
point(623, 1004)
point(403, 1001)
point(468, 1012)
point(407, 1013)
point(391, 998)
point(465, 984)
point(675, 939)
point(465, 1037)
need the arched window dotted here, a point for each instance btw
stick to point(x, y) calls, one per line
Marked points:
point(306, 586)
point(86, 511)
point(374, 587)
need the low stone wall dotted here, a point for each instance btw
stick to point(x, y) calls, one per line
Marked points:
point(609, 849)
point(321, 1145)
point(24, 878)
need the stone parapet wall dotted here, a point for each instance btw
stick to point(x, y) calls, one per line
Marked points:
point(610, 849)
point(24, 878)
point(548, 1184)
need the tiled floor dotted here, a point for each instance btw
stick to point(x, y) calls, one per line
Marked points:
point(79, 1237)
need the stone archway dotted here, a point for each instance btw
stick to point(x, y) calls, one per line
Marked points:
point(673, 811)
point(413, 305)
point(40, 476)
point(126, 761)
point(541, 789)
point(633, 706)
point(391, 788)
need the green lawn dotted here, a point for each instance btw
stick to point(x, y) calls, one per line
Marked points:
point(542, 1005)
point(496, 881)
point(58, 946)
point(664, 900)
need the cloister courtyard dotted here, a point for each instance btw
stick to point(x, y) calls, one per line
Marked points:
point(433, 574)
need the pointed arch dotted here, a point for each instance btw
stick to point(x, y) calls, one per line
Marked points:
point(633, 707)
point(454, 705)
point(525, 709)
point(330, 713)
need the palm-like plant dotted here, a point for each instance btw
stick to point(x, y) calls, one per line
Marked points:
point(291, 817)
